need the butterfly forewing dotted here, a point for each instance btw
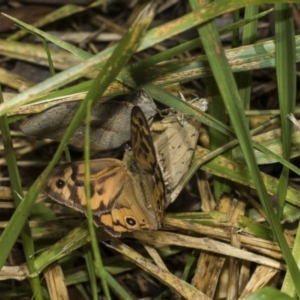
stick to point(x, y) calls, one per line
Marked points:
point(144, 151)
point(159, 192)
point(141, 141)
point(66, 184)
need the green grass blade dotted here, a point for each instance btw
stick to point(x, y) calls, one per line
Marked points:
point(91, 271)
point(268, 293)
point(16, 187)
point(286, 78)
point(35, 31)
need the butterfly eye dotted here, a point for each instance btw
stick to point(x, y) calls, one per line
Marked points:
point(60, 184)
point(130, 221)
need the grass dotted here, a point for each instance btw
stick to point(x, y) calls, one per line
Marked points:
point(242, 240)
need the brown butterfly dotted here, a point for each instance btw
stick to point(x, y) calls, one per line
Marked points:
point(125, 195)
point(110, 122)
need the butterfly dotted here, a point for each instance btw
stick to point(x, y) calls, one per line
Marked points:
point(175, 138)
point(125, 195)
point(110, 122)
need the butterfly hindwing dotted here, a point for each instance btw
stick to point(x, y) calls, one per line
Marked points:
point(130, 213)
point(175, 145)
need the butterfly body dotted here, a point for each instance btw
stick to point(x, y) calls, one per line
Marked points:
point(125, 195)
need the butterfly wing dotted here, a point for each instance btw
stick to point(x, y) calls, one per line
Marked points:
point(145, 155)
point(159, 194)
point(110, 122)
point(52, 122)
point(142, 201)
point(146, 103)
point(130, 212)
point(174, 148)
point(66, 185)
point(141, 141)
